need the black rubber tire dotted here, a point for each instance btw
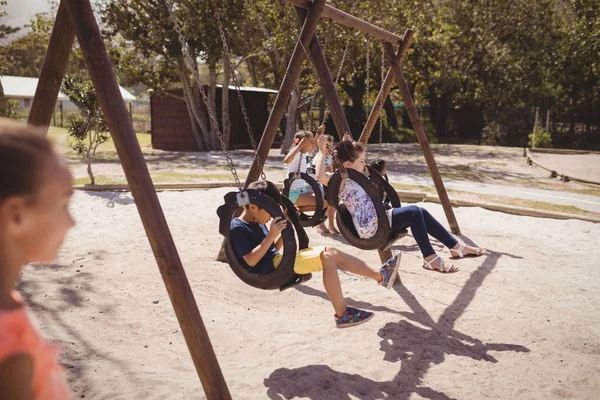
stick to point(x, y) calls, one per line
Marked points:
point(307, 221)
point(284, 276)
point(344, 219)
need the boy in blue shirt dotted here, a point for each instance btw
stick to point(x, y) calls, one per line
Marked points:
point(257, 247)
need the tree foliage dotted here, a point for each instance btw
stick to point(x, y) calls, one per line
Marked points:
point(88, 130)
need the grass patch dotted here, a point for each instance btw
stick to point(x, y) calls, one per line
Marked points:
point(60, 137)
point(100, 180)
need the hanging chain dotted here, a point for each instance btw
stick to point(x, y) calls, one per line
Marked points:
point(381, 100)
point(368, 78)
point(190, 64)
point(237, 88)
point(337, 76)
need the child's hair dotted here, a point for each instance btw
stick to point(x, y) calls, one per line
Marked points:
point(347, 150)
point(301, 135)
point(378, 165)
point(23, 152)
point(268, 188)
point(330, 139)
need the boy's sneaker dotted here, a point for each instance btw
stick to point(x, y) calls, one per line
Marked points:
point(389, 271)
point(353, 317)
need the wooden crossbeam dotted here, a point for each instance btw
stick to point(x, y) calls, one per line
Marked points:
point(343, 18)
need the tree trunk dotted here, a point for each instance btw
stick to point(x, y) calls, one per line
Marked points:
point(548, 120)
point(275, 69)
point(225, 122)
point(212, 100)
point(252, 70)
point(199, 127)
point(390, 113)
point(290, 130)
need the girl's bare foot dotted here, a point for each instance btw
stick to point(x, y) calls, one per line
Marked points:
point(463, 250)
point(333, 230)
point(322, 229)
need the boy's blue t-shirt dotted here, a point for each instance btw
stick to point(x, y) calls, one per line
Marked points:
point(245, 236)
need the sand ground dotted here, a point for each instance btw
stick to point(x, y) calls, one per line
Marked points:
point(520, 323)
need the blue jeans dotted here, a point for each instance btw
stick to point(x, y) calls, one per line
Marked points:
point(421, 223)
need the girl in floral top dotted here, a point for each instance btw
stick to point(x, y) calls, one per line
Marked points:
point(364, 216)
point(35, 189)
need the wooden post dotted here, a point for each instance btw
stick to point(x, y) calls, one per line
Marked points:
point(422, 137)
point(386, 86)
point(53, 70)
point(146, 200)
point(548, 120)
point(285, 90)
point(350, 21)
point(326, 82)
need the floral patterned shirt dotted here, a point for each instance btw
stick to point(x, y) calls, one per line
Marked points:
point(361, 208)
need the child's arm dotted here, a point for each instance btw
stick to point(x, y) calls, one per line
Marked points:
point(320, 161)
point(292, 153)
point(16, 377)
point(277, 225)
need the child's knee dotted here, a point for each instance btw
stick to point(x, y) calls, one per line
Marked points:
point(414, 211)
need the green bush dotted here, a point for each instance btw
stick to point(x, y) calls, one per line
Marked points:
point(540, 138)
point(9, 109)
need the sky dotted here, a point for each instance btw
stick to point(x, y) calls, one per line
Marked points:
point(20, 12)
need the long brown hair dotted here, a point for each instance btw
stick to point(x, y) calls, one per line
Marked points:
point(347, 150)
point(23, 151)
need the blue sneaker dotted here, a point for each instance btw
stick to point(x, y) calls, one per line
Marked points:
point(353, 317)
point(389, 271)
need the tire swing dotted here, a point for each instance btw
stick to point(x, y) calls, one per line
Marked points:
point(344, 219)
point(319, 214)
point(282, 277)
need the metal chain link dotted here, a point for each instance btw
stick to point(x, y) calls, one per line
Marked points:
point(188, 60)
point(337, 77)
point(368, 71)
point(237, 87)
point(382, 72)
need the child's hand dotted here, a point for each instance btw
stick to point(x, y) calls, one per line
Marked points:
point(347, 137)
point(322, 142)
point(277, 225)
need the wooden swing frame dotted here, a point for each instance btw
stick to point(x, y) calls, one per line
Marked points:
point(75, 18)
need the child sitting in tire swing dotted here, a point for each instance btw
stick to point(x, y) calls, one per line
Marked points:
point(257, 248)
point(298, 160)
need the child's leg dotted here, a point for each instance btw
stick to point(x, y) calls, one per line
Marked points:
point(353, 264)
point(437, 230)
point(331, 282)
point(331, 219)
point(412, 216)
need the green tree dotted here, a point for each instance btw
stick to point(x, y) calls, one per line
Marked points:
point(88, 130)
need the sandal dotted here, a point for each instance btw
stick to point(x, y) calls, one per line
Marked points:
point(443, 268)
point(459, 253)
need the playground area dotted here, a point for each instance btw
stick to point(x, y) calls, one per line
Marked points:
point(140, 305)
point(521, 322)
